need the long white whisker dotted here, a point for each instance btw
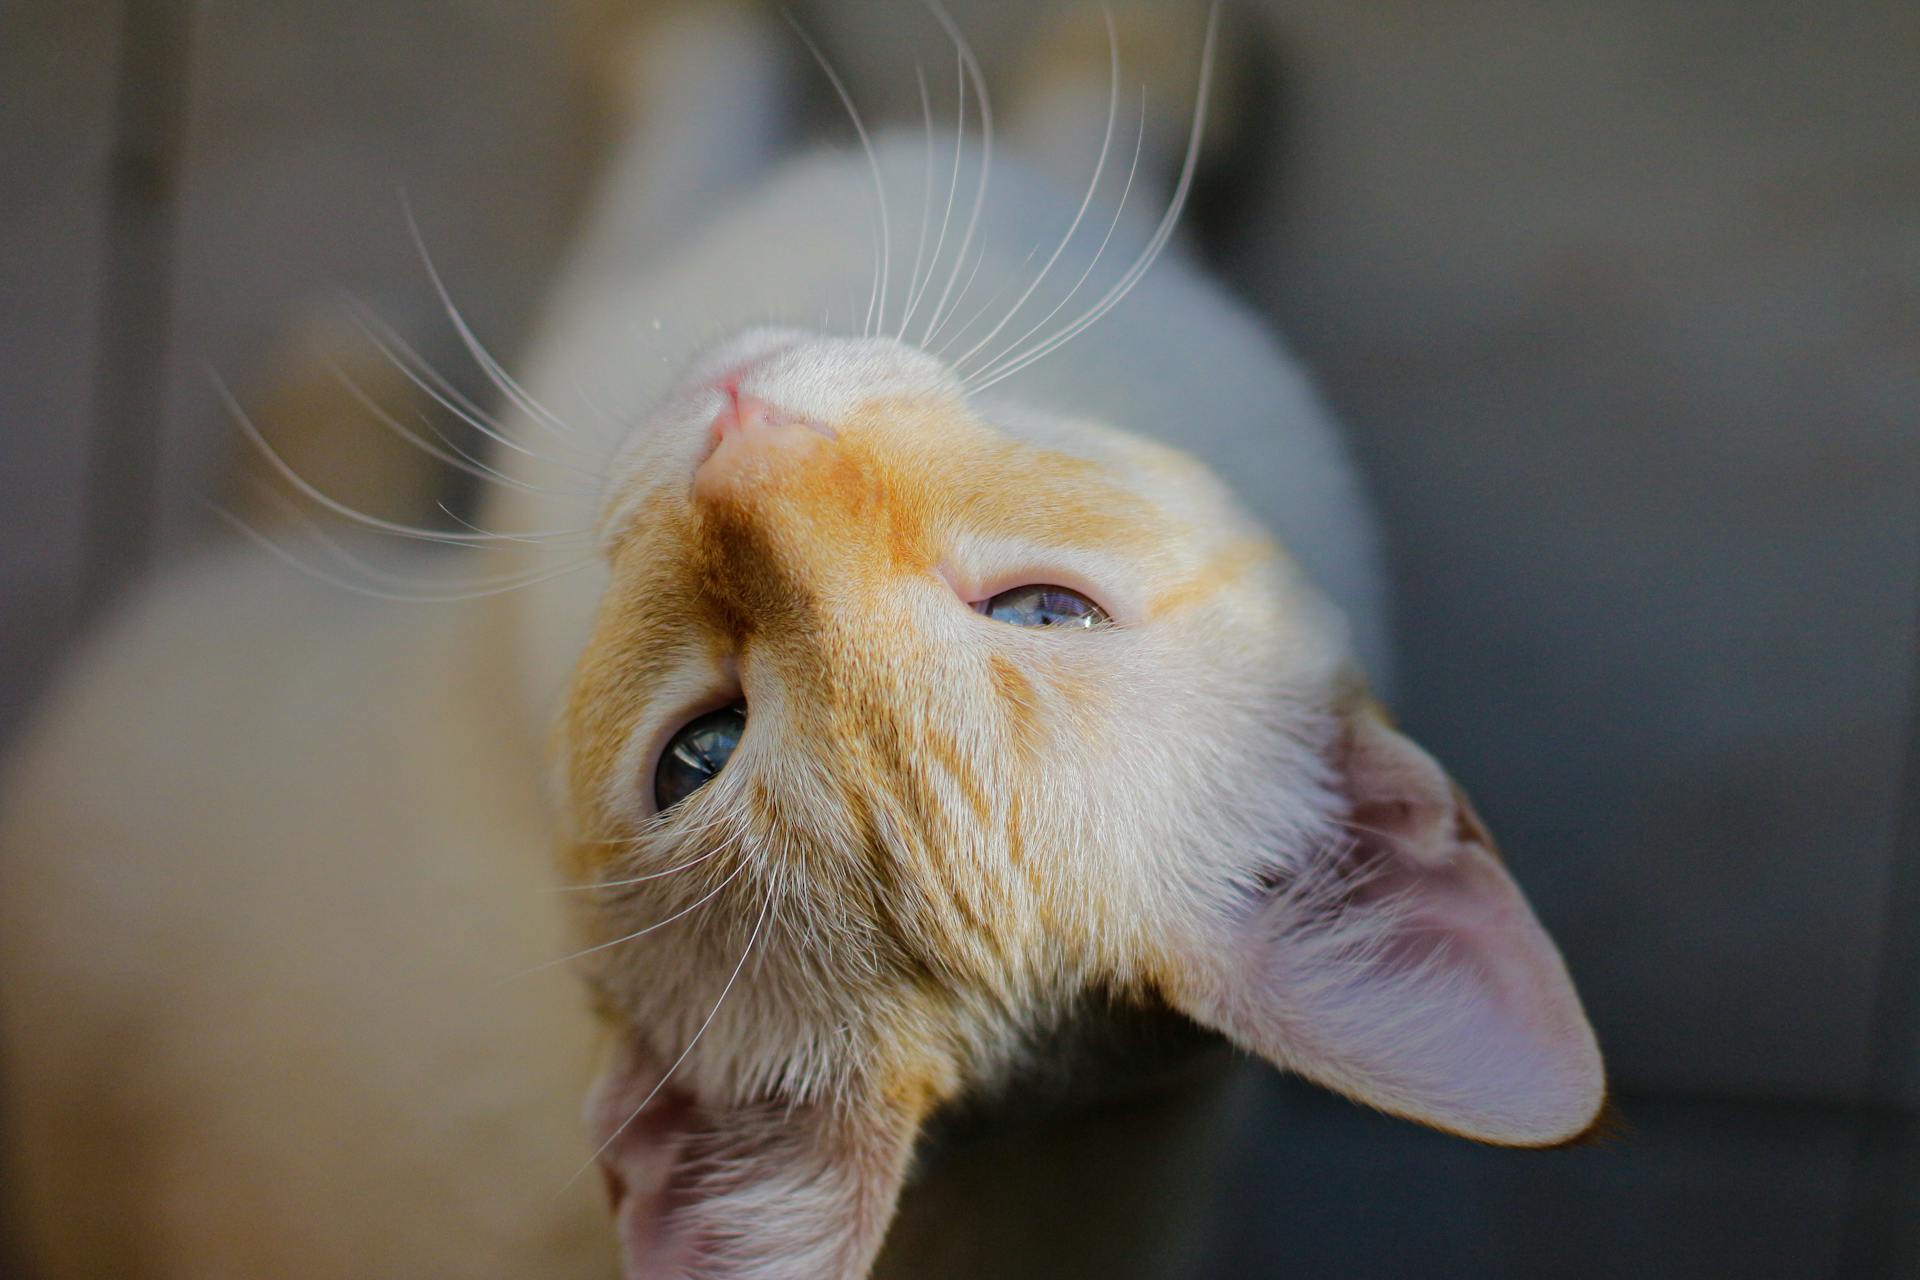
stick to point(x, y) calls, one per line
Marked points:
point(461, 520)
point(446, 597)
point(600, 411)
point(979, 260)
point(960, 331)
point(953, 185)
point(979, 81)
point(651, 875)
point(1119, 211)
point(415, 368)
point(1162, 234)
point(879, 187)
point(654, 1092)
point(637, 933)
point(669, 825)
point(390, 344)
point(294, 478)
point(494, 370)
point(290, 510)
point(447, 452)
point(926, 206)
point(1086, 201)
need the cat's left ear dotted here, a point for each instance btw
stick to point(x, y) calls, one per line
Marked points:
point(768, 1190)
point(1402, 966)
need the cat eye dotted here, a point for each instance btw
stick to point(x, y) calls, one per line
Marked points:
point(1042, 605)
point(697, 754)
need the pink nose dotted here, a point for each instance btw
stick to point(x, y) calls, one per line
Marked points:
point(751, 441)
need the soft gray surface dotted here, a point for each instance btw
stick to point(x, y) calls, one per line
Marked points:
point(56, 86)
point(1620, 303)
point(310, 127)
point(1695, 1190)
point(1623, 304)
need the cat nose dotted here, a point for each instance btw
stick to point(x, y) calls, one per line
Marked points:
point(751, 439)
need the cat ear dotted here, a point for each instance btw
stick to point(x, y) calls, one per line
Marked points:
point(1405, 969)
point(769, 1191)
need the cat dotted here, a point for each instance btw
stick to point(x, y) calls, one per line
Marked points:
point(950, 706)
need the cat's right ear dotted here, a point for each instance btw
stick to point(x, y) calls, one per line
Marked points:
point(768, 1191)
point(1401, 965)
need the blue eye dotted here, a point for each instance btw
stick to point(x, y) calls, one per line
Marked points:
point(697, 754)
point(1041, 605)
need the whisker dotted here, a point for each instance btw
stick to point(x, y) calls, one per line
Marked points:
point(953, 186)
point(979, 81)
point(926, 205)
point(407, 357)
point(1388, 836)
point(1119, 210)
point(494, 370)
point(294, 478)
point(960, 331)
point(652, 875)
point(290, 510)
point(601, 412)
point(447, 452)
point(280, 553)
point(669, 825)
point(417, 370)
point(459, 519)
point(1162, 234)
point(654, 1092)
point(699, 902)
point(980, 260)
point(879, 187)
point(1093, 185)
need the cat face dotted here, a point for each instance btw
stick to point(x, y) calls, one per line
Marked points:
point(962, 807)
point(908, 720)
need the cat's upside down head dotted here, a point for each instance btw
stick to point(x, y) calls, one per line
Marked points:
point(939, 714)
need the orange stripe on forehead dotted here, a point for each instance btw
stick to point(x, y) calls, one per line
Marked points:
point(1219, 572)
point(940, 461)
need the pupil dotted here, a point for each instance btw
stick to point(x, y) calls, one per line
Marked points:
point(697, 754)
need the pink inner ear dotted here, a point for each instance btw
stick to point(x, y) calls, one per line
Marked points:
point(766, 1190)
point(1406, 969)
point(644, 1152)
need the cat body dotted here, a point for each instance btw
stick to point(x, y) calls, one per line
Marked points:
point(270, 850)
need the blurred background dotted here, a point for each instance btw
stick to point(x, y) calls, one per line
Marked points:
point(1620, 304)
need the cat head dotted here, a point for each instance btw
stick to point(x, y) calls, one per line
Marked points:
point(911, 719)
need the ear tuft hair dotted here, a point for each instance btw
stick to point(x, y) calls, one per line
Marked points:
point(1404, 967)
